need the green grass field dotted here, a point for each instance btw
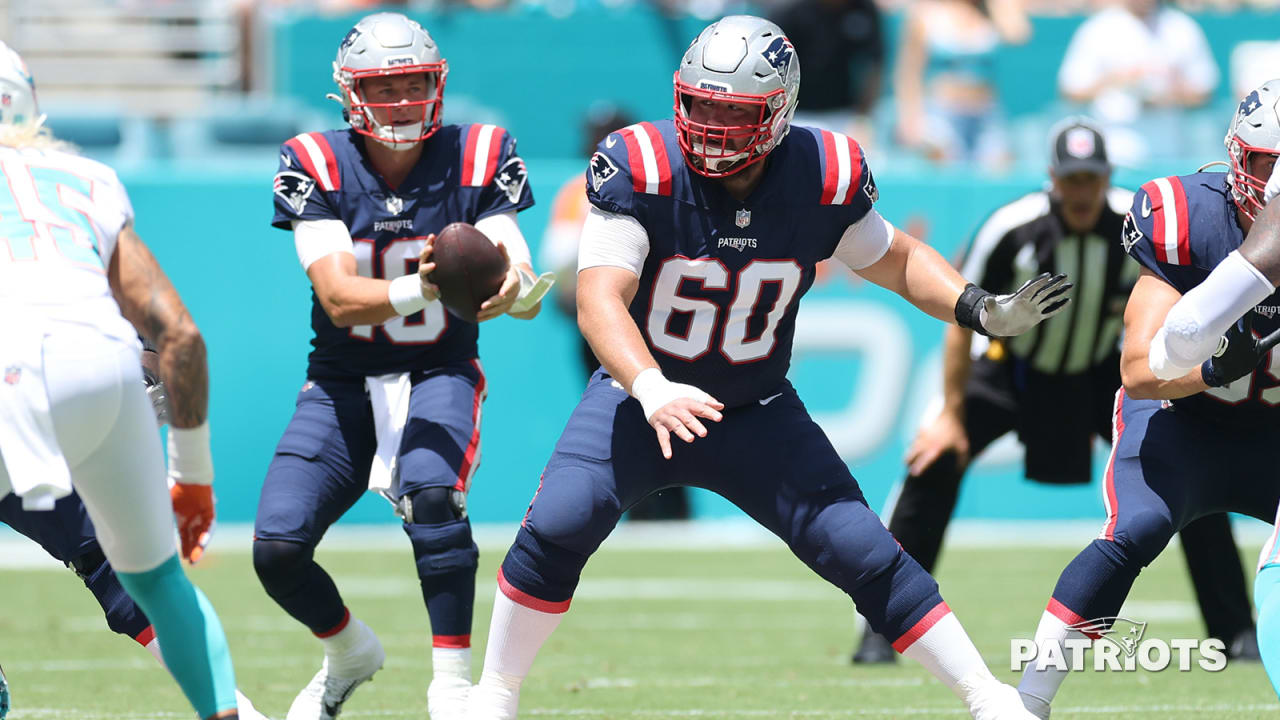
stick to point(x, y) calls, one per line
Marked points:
point(652, 634)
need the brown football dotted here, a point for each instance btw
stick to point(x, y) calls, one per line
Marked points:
point(469, 269)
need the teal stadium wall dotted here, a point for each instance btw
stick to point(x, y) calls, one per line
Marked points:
point(866, 362)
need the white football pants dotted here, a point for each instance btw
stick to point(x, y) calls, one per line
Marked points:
point(106, 431)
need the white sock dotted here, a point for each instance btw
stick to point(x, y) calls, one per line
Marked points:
point(946, 651)
point(1040, 680)
point(153, 647)
point(451, 662)
point(516, 633)
point(340, 644)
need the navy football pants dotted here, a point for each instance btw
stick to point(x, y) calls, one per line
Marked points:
point(1168, 468)
point(771, 460)
point(321, 468)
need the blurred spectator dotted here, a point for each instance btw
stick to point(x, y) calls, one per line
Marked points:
point(841, 49)
point(1134, 57)
point(945, 85)
point(559, 248)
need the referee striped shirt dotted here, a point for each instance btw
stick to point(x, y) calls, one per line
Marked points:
point(1027, 237)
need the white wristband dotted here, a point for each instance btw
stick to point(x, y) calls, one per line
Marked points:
point(190, 461)
point(405, 294)
point(653, 390)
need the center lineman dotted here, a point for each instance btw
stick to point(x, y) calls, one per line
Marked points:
point(1058, 377)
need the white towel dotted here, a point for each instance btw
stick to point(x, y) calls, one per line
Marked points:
point(38, 472)
point(389, 397)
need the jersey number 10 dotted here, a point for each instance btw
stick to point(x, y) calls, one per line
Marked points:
point(417, 329)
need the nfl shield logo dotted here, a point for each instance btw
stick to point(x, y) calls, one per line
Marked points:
point(742, 219)
point(11, 374)
point(395, 205)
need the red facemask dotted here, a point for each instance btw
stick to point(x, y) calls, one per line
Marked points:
point(713, 150)
point(430, 109)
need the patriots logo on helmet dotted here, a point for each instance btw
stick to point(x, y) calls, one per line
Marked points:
point(294, 188)
point(602, 170)
point(1250, 103)
point(1121, 632)
point(779, 54)
point(511, 179)
point(352, 34)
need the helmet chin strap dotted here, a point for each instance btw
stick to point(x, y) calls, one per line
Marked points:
point(718, 164)
point(385, 135)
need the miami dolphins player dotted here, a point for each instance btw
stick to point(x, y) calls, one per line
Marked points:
point(1180, 423)
point(394, 388)
point(703, 234)
point(68, 535)
point(77, 286)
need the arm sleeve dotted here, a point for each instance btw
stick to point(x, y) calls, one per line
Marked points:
point(297, 194)
point(865, 242)
point(503, 228)
point(612, 239)
point(509, 189)
point(314, 239)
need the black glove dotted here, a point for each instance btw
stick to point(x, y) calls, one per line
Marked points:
point(1238, 353)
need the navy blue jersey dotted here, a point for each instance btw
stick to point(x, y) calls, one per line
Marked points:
point(720, 287)
point(465, 173)
point(1180, 228)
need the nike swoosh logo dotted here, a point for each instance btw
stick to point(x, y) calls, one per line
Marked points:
point(771, 398)
point(1146, 207)
point(610, 141)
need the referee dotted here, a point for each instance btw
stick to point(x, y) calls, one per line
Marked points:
point(1054, 385)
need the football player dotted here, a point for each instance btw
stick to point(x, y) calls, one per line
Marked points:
point(394, 389)
point(1054, 386)
point(1177, 433)
point(67, 534)
point(702, 236)
point(78, 286)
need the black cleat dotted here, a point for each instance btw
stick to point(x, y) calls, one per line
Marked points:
point(1244, 646)
point(875, 650)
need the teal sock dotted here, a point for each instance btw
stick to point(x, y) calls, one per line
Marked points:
point(1266, 597)
point(190, 635)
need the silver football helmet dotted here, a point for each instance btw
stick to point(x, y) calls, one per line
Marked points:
point(389, 44)
point(745, 62)
point(17, 90)
point(1254, 130)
